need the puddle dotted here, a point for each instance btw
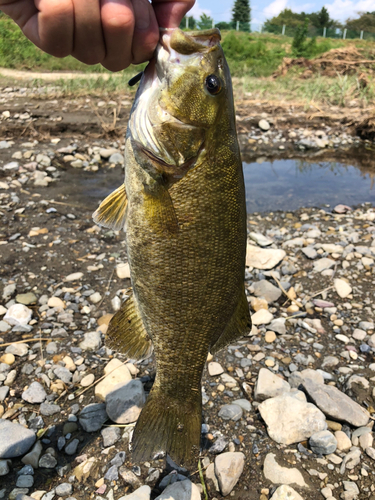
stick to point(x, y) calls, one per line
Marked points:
point(292, 184)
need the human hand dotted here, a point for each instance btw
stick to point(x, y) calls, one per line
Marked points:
point(114, 33)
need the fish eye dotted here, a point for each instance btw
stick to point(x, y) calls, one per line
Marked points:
point(213, 84)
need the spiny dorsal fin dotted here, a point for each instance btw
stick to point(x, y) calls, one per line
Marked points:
point(111, 212)
point(127, 334)
point(238, 326)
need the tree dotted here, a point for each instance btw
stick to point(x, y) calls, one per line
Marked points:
point(365, 22)
point(322, 19)
point(241, 13)
point(205, 22)
point(192, 23)
point(222, 25)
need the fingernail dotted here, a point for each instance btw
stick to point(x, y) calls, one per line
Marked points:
point(142, 14)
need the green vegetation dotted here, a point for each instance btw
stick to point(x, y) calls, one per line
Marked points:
point(241, 13)
point(300, 46)
point(287, 17)
point(365, 22)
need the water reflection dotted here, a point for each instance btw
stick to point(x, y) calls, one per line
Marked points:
point(291, 184)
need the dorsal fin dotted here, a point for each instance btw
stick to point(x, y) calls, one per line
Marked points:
point(111, 212)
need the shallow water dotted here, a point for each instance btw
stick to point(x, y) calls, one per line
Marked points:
point(291, 184)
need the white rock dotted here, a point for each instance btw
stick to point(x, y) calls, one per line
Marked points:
point(228, 469)
point(142, 493)
point(262, 258)
point(290, 419)
point(342, 288)
point(92, 341)
point(87, 380)
point(116, 373)
point(323, 264)
point(56, 302)
point(215, 369)
point(123, 270)
point(182, 490)
point(74, 277)
point(263, 125)
point(286, 492)
point(260, 239)
point(281, 475)
point(261, 317)
point(18, 314)
point(125, 402)
point(269, 385)
point(95, 298)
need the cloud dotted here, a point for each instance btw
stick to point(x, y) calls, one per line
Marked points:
point(274, 8)
point(197, 11)
point(343, 9)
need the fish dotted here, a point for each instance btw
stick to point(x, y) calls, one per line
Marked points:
point(183, 209)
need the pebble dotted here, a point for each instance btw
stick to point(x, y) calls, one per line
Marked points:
point(92, 341)
point(88, 380)
point(116, 372)
point(281, 475)
point(74, 277)
point(34, 394)
point(269, 385)
point(270, 337)
point(343, 441)
point(342, 288)
point(323, 443)
point(143, 493)
point(4, 467)
point(264, 125)
point(110, 436)
point(215, 369)
point(15, 440)
point(261, 317)
point(125, 402)
point(49, 409)
point(290, 419)
point(285, 492)
point(8, 359)
point(182, 490)
point(93, 416)
point(56, 302)
point(18, 314)
point(64, 490)
point(71, 448)
point(32, 458)
point(47, 461)
point(17, 349)
point(263, 258)
point(228, 469)
point(266, 290)
point(230, 412)
point(123, 270)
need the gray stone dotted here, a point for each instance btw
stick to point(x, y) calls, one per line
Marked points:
point(278, 326)
point(260, 239)
point(110, 436)
point(49, 409)
point(243, 403)
point(228, 469)
point(47, 461)
point(281, 475)
point(93, 416)
point(32, 458)
point(230, 412)
point(4, 390)
point(269, 385)
point(335, 404)
point(17, 493)
point(370, 451)
point(112, 473)
point(366, 325)
point(8, 291)
point(71, 448)
point(323, 443)
point(4, 467)
point(64, 490)
point(34, 394)
point(182, 490)
point(91, 342)
point(266, 290)
point(285, 492)
point(117, 158)
point(263, 258)
point(17, 349)
point(15, 440)
point(290, 419)
point(323, 264)
point(142, 493)
point(310, 252)
point(125, 402)
point(24, 481)
point(352, 459)
point(63, 374)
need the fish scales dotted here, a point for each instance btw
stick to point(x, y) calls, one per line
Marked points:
point(186, 244)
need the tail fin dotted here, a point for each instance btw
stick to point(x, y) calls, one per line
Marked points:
point(168, 425)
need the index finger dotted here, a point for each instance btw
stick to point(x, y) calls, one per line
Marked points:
point(169, 13)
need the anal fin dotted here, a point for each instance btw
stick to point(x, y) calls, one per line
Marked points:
point(127, 334)
point(238, 326)
point(111, 212)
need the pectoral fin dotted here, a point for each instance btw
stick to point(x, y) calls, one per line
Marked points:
point(111, 212)
point(127, 334)
point(160, 210)
point(238, 326)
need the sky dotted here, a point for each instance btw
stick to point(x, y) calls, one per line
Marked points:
point(341, 10)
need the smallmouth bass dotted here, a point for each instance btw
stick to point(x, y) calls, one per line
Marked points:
point(183, 210)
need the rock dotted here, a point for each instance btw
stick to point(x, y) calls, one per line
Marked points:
point(32, 458)
point(230, 412)
point(17, 349)
point(117, 159)
point(341, 209)
point(63, 374)
point(214, 369)
point(261, 317)
point(116, 373)
point(286, 492)
point(34, 394)
point(228, 469)
point(351, 460)
point(243, 403)
point(142, 493)
point(182, 490)
point(269, 385)
point(56, 302)
point(24, 481)
point(310, 252)
point(270, 337)
point(107, 152)
point(93, 416)
point(15, 440)
point(290, 419)
point(3, 393)
point(48, 409)
point(110, 436)
point(71, 448)
point(74, 277)
point(125, 401)
point(26, 298)
point(335, 404)
point(342, 288)
point(261, 258)
point(366, 325)
point(264, 125)
point(323, 443)
point(323, 264)
point(296, 378)
point(260, 239)
point(88, 380)
point(64, 490)
point(343, 442)
point(370, 451)
point(278, 325)
point(95, 298)
point(4, 467)
point(92, 341)
point(123, 270)
point(8, 291)
point(47, 461)
point(18, 314)
point(266, 290)
point(281, 475)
